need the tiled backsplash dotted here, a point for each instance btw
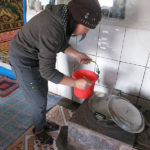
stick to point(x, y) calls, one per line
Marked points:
point(122, 55)
point(145, 89)
point(135, 50)
point(110, 41)
point(148, 65)
point(89, 44)
point(130, 78)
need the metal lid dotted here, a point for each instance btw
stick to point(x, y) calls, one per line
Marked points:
point(125, 115)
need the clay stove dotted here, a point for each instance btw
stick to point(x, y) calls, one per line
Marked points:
point(85, 133)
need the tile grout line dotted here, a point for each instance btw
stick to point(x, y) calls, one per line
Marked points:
point(120, 57)
point(134, 28)
point(98, 42)
point(143, 77)
point(123, 62)
point(124, 93)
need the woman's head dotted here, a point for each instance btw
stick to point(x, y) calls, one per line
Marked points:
point(87, 14)
point(81, 29)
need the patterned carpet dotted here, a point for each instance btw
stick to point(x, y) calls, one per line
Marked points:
point(15, 116)
point(7, 86)
point(11, 15)
point(59, 114)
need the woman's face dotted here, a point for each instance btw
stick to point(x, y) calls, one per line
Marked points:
point(81, 29)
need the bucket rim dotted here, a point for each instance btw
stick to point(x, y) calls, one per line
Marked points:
point(84, 70)
point(88, 71)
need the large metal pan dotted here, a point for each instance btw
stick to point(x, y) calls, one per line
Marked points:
point(112, 109)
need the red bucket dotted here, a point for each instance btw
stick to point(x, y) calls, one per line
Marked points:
point(86, 93)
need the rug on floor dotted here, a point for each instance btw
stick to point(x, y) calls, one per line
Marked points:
point(32, 143)
point(11, 15)
point(15, 117)
point(7, 86)
point(58, 114)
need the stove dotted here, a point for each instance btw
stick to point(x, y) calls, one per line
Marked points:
point(83, 125)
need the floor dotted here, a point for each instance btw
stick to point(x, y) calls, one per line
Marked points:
point(59, 114)
point(15, 117)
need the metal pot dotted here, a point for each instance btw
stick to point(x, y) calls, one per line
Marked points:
point(98, 105)
point(116, 110)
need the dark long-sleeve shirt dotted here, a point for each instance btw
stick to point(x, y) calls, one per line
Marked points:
point(42, 38)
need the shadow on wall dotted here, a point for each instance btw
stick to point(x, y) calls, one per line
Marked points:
point(112, 82)
point(109, 78)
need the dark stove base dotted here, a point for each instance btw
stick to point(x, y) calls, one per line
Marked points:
point(84, 117)
point(76, 137)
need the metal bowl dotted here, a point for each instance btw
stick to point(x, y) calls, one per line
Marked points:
point(99, 107)
point(111, 109)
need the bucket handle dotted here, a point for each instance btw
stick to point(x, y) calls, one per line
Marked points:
point(97, 71)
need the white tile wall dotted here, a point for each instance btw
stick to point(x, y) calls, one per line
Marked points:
point(145, 90)
point(64, 91)
point(65, 64)
point(134, 50)
point(89, 44)
point(130, 78)
point(110, 41)
point(148, 65)
point(108, 71)
point(52, 87)
point(143, 37)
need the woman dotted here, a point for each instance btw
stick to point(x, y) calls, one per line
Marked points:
point(33, 54)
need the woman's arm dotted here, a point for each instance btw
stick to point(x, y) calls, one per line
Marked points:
point(78, 83)
point(80, 57)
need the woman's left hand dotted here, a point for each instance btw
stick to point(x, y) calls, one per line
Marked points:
point(80, 57)
point(83, 58)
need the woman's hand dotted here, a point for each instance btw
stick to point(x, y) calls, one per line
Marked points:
point(83, 58)
point(82, 83)
point(80, 57)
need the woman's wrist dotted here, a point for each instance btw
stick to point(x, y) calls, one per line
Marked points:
point(68, 81)
point(72, 52)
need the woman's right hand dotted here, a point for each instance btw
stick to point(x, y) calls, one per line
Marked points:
point(82, 83)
